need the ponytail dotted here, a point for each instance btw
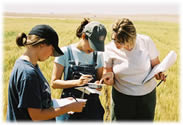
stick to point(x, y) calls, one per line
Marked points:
point(81, 27)
point(21, 39)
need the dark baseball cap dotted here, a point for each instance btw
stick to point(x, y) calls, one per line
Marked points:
point(96, 33)
point(48, 33)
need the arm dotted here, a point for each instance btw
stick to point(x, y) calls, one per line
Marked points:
point(46, 114)
point(99, 73)
point(108, 76)
point(159, 76)
point(56, 81)
point(155, 62)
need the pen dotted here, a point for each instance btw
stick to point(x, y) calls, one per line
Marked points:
point(161, 81)
point(85, 74)
point(74, 98)
point(81, 73)
point(82, 96)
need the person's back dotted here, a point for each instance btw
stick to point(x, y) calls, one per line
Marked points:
point(24, 79)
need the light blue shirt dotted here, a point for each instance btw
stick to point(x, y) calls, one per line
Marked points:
point(80, 57)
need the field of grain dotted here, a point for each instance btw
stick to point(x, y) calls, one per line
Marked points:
point(165, 34)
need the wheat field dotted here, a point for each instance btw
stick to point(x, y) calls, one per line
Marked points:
point(164, 34)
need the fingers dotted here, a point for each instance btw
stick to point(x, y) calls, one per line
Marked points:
point(108, 75)
point(84, 79)
point(108, 78)
point(83, 104)
point(78, 106)
point(86, 76)
point(101, 81)
point(70, 98)
point(160, 76)
point(98, 82)
point(157, 76)
point(164, 77)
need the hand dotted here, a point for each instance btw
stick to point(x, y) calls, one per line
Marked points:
point(84, 79)
point(108, 78)
point(98, 82)
point(160, 76)
point(77, 106)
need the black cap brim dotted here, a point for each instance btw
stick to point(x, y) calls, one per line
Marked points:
point(57, 52)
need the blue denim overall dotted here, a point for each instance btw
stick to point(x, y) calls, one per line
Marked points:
point(93, 109)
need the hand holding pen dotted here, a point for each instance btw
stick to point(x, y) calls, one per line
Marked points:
point(161, 81)
point(84, 79)
point(74, 98)
point(77, 106)
point(160, 76)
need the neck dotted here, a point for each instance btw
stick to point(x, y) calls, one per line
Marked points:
point(79, 45)
point(31, 56)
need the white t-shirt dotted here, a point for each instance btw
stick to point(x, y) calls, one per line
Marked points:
point(131, 67)
point(80, 57)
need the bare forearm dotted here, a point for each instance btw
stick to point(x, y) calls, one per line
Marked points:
point(155, 62)
point(99, 73)
point(108, 76)
point(61, 84)
point(46, 114)
point(37, 114)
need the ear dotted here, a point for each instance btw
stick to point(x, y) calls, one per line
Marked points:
point(41, 45)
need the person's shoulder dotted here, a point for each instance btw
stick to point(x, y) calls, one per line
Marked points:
point(64, 49)
point(109, 45)
point(144, 41)
point(143, 37)
point(25, 68)
point(99, 53)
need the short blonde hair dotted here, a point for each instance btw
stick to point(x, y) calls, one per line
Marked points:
point(124, 31)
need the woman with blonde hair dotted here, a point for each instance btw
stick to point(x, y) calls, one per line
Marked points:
point(130, 56)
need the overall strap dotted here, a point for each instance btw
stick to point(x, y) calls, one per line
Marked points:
point(71, 57)
point(95, 58)
point(69, 50)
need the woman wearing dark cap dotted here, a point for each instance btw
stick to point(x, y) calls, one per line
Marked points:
point(81, 63)
point(29, 95)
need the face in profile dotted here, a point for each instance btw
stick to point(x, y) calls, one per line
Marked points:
point(45, 52)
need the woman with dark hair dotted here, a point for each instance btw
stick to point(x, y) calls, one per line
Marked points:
point(130, 56)
point(81, 63)
point(29, 95)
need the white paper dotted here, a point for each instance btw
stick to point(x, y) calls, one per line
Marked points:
point(65, 101)
point(167, 62)
point(88, 90)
